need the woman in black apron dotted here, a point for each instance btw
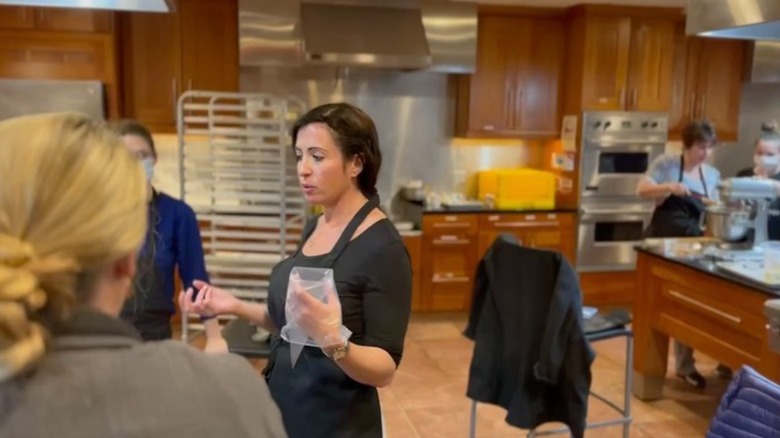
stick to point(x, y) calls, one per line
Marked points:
point(331, 390)
point(684, 200)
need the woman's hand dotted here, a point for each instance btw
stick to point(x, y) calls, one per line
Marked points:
point(678, 189)
point(708, 201)
point(211, 300)
point(320, 321)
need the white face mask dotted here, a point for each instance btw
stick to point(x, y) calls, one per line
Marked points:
point(148, 164)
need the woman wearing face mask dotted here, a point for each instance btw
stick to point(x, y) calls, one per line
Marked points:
point(683, 185)
point(172, 241)
point(331, 390)
point(766, 160)
point(72, 218)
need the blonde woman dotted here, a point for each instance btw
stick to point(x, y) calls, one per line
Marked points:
point(72, 219)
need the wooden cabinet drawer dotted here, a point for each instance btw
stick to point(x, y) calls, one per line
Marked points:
point(551, 231)
point(511, 221)
point(449, 224)
point(723, 317)
point(449, 294)
point(414, 247)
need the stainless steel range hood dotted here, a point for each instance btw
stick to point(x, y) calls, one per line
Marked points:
point(741, 19)
point(117, 5)
point(433, 35)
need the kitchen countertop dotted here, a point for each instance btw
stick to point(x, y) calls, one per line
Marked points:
point(497, 211)
point(707, 266)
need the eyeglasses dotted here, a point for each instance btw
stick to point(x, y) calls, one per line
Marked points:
point(143, 155)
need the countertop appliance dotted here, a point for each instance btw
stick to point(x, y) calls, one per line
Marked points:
point(617, 149)
point(744, 206)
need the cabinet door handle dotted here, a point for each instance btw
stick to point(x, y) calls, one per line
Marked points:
point(623, 98)
point(175, 97)
point(519, 103)
point(449, 279)
point(189, 84)
point(634, 98)
point(707, 307)
point(701, 108)
point(451, 242)
point(450, 225)
point(510, 111)
point(526, 224)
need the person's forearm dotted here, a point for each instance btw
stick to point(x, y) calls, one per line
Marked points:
point(212, 327)
point(650, 190)
point(368, 365)
point(256, 313)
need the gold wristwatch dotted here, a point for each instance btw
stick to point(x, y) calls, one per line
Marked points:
point(336, 352)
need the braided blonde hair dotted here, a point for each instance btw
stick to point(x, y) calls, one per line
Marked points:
point(72, 201)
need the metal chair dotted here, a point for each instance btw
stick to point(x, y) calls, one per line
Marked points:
point(595, 331)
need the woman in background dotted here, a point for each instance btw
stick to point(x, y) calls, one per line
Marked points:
point(331, 391)
point(172, 241)
point(683, 185)
point(766, 161)
point(72, 219)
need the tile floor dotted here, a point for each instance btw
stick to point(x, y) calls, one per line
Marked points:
point(427, 398)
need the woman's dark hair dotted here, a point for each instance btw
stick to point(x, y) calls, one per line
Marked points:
point(355, 134)
point(698, 131)
point(131, 127)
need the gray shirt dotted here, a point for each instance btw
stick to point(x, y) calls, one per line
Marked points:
point(666, 169)
point(109, 384)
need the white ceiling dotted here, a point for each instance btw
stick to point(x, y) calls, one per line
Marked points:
point(567, 3)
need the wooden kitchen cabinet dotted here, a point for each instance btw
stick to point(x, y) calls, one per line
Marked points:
point(621, 58)
point(413, 245)
point(17, 17)
point(708, 78)
point(515, 90)
point(195, 48)
point(56, 19)
point(59, 55)
point(550, 231)
point(448, 267)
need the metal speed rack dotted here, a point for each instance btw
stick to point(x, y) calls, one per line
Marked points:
point(238, 173)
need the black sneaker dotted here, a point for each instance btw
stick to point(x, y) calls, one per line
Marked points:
point(724, 372)
point(694, 379)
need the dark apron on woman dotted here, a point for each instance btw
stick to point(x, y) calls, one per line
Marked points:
point(679, 216)
point(316, 398)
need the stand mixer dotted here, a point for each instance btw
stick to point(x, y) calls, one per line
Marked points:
point(744, 205)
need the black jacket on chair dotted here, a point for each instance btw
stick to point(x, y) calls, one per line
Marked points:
point(530, 353)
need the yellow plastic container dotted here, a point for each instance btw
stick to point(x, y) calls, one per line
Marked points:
point(516, 189)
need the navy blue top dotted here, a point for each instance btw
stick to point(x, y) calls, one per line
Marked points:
point(174, 242)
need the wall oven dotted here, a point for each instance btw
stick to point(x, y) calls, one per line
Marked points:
point(607, 236)
point(617, 149)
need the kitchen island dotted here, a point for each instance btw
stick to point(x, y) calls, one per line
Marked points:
point(716, 313)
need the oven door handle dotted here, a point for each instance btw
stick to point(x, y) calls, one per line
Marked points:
point(593, 217)
point(651, 142)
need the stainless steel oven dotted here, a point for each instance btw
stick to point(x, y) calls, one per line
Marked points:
point(608, 234)
point(617, 148)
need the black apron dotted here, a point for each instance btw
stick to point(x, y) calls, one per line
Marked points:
point(678, 216)
point(316, 398)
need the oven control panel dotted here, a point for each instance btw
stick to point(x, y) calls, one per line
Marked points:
point(624, 123)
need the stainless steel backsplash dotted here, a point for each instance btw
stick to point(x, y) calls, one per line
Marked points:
point(414, 114)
